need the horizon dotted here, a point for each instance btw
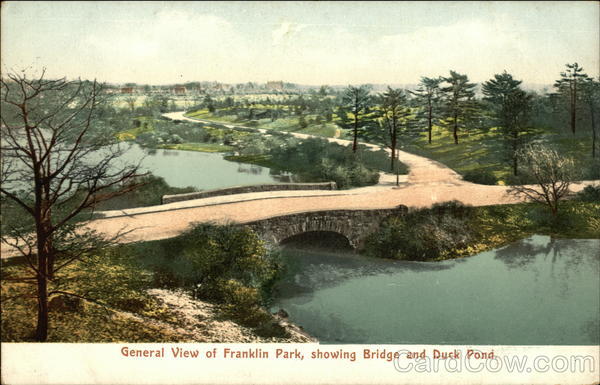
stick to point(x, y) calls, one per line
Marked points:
point(305, 43)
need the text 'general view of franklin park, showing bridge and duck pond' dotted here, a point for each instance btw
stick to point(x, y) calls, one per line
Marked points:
point(439, 210)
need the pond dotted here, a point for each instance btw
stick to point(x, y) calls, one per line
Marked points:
point(201, 170)
point(537, 291)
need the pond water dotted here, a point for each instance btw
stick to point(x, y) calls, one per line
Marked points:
point(201, 170)
point(536, 291)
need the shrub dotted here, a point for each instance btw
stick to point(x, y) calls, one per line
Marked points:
point(592, 171)
point(242, 303)
point(590, 193)
point(424, 234)
point(481, 177)
point(223, 253)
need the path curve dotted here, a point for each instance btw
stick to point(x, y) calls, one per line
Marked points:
point(428, 182)
point(421, 169)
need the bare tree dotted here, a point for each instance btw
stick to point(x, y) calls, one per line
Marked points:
point(57, 164)
point(551, 172)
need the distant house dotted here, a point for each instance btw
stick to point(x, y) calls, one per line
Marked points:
point(275, 86)
point(179, 90)
point(127, 90)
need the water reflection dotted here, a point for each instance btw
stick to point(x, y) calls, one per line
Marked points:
point(249, 169)
point(201, 170)
point(309, 270)
point(536, 291)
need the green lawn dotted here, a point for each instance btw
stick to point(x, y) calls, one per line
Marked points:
point(288, 123)
point(146, 125)
point(479, 150)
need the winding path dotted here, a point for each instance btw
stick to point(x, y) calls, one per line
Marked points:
point(428, 182)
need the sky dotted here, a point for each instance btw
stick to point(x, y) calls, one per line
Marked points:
point(335, 43)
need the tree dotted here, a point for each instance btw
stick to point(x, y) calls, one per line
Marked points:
point(458, 100)
point(551, 172)
point(590, 96)
point(130, 100)
point(428, 96)
point(568, 87)
point(56, 165)
point(394, 115)
point(511, 106)
point(209, 103)
point(357, 100)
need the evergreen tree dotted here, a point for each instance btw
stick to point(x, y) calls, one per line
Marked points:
point(590, 96)
point(428, 96)
point(511, 106)
point(568, 88)
point(458, 100)
point(394, 116)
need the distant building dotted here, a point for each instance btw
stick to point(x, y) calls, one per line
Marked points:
point(179, 90)
point(275, 86)
point(127, 90)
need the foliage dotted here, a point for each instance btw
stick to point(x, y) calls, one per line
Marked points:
point(567, 91)
point(552, 173)
point(423, 234)
point(356, 101)
point(511, 106)
point(590, 193)
point(459, 231)
point(225, 264)
point(113, 285)
point(480, 176)
point(317, 160)
point(56, 164)
point(459, 101)
point(395, 117)
point(428, 97)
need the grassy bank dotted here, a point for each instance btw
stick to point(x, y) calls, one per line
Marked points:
point(484, 152)
point(201, 147)
point(207, 285)
point(451, 230)
point(309, 124)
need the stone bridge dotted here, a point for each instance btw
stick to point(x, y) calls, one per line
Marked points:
point(354, 225)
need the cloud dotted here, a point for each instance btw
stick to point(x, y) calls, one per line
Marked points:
point(286, 32)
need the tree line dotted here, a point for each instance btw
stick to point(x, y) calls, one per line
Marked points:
point(450, 102)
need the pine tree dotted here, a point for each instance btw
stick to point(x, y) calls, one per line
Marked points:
point(428, 96)
point(511, 106)
point(458, 100)
point(568, 87)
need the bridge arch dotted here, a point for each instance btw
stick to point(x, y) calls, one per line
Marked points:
point(354, 225)
point(318, 240)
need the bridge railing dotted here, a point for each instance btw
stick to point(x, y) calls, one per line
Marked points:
point(248, 189)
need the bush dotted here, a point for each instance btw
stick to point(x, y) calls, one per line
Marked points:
point(424, 234)
point(242, 303)
point(590, 193)
point(481, 177)
point(223, 253)
point(592, 171)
